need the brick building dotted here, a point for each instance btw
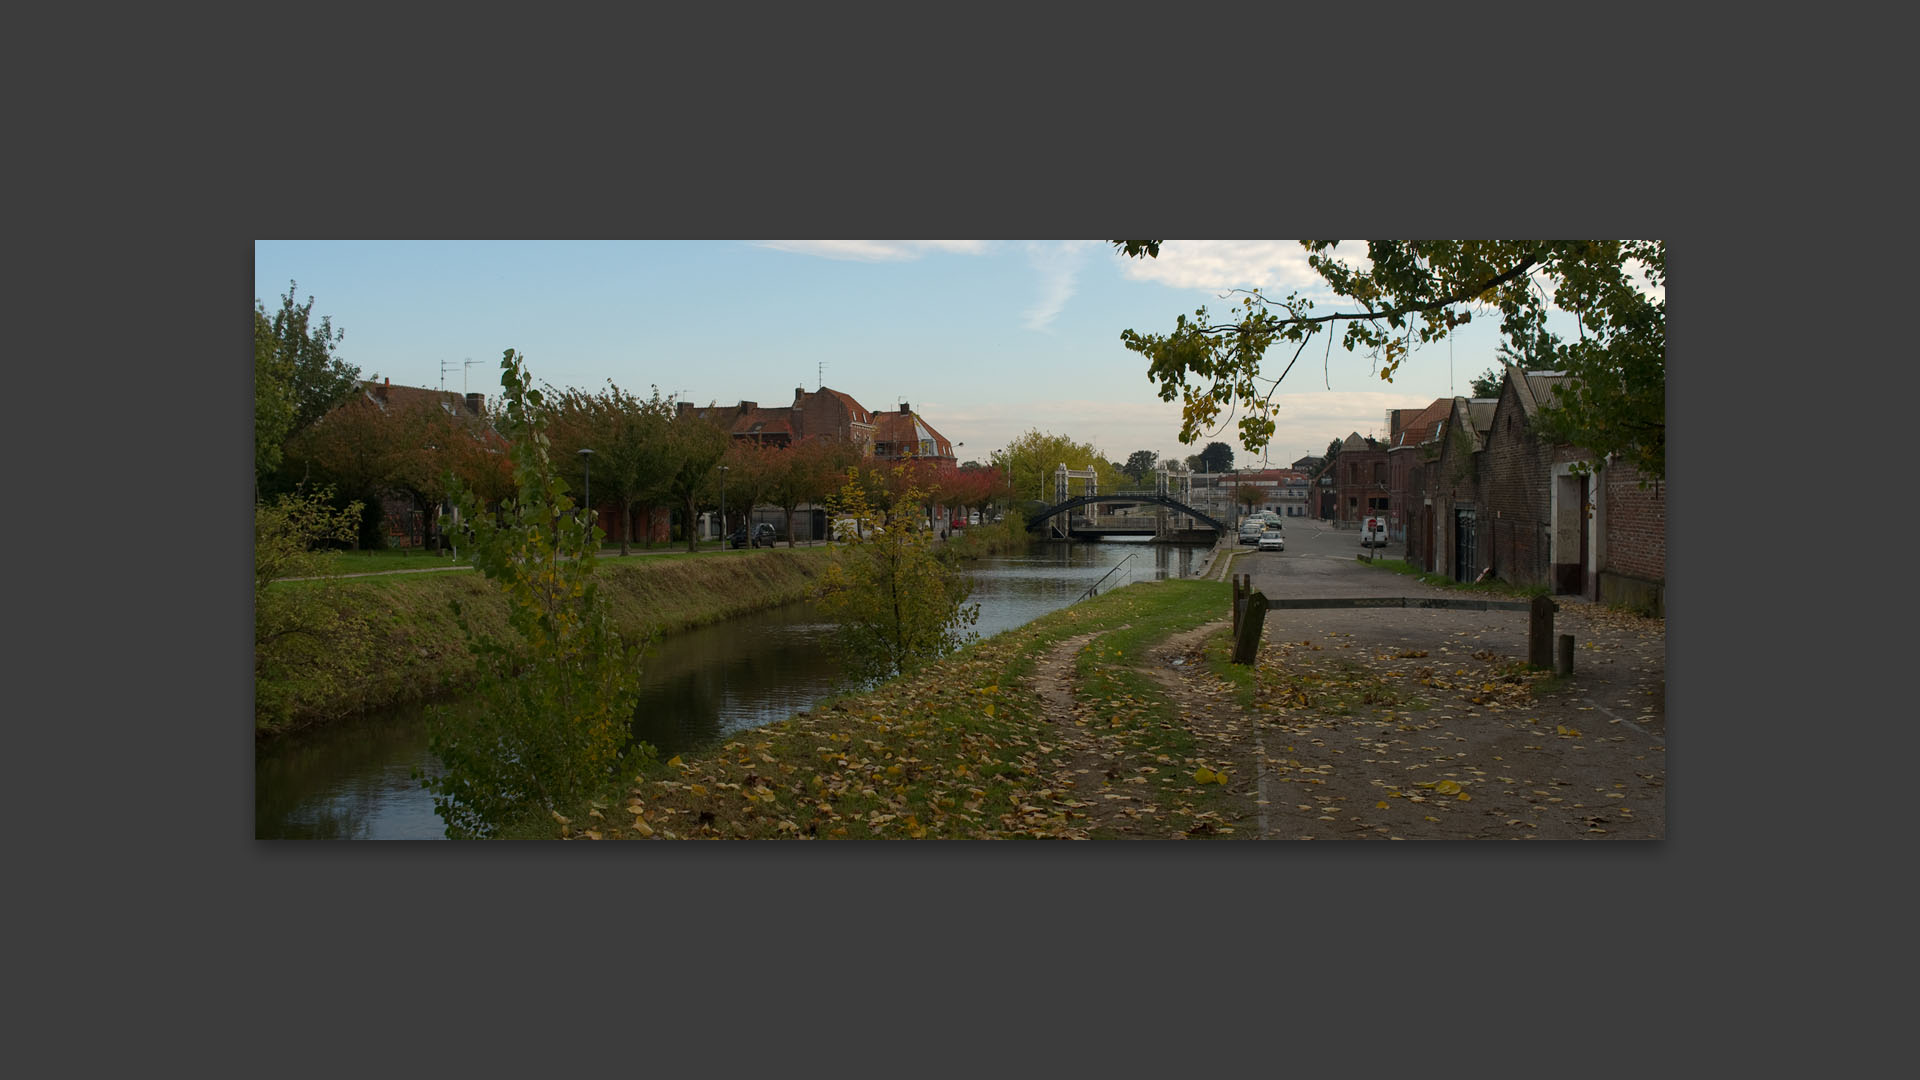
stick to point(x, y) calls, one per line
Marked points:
point(905, 433)
point(1487, 493)
point(822, 412)
point(1360, 480)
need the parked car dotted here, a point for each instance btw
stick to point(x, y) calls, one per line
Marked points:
point(1250, 531)
point(1271, 539)
point(1373, 531)
point(762, 536)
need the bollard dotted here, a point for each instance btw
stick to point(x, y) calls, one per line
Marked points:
point(1563, 656)
point(1246, 637)
point(1540, 632)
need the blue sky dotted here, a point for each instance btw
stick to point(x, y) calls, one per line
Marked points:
point(985, 339)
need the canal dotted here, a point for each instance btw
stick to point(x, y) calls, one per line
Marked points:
point(354, 779)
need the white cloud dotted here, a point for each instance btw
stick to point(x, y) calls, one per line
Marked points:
point(877, 250)
point(1278, 267)
point(1059, 266)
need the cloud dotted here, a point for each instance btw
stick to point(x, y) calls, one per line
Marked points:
point(1277, 267)
point(876, 250)
point(1059, 266)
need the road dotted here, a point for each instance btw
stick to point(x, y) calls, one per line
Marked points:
point(1321, 561)
point(1577, 757)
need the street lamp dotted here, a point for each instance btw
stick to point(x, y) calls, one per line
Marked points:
point(723, 508)
point(586, 494)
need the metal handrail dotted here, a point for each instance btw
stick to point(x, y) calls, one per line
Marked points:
point(1103, 579)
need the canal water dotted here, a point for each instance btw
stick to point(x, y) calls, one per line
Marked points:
point(354, 779)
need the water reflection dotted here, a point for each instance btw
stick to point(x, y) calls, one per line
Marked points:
point(353, 780)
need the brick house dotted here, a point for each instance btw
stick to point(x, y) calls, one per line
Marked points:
point(1360, 481)
point(905, 433)
point(1408, 446)
point(822, 412)
point(1492, 494)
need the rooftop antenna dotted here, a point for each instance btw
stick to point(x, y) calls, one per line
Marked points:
point(820, 376)
point(469, 362)
point(444, 365)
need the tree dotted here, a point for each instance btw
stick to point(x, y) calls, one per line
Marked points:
point(897, 604)
point(1248, 495)
point(1487, 383)
point(272, 397)
point(751, 471)
point(1029, 462)
point(559, 693)
point(629, 440)
point(1140, 465)
point(1216, 458)
point(307, 643)
point(806, 473)
point(694, 448)
point(1418, 291)
point(317, 379)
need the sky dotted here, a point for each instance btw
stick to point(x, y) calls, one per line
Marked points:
point(985, 339)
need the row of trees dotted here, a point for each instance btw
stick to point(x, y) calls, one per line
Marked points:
point(645, 455)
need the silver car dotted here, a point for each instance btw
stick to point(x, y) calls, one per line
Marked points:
point(1273, 540)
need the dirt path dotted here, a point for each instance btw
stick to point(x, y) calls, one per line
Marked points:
point(1409, 725)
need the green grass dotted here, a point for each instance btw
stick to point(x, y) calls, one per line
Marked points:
point(960, 749)
point(1496, 588)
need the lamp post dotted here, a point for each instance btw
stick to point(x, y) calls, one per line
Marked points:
point(723, 508)
point(586, 494)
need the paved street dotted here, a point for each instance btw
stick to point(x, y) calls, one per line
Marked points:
point(1582, 757)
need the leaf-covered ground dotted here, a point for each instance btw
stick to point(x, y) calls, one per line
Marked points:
point(1120, 718)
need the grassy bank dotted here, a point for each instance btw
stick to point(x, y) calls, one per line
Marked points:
point(961, 749)
point(419, 650)
point(997, 538)
point(1495, 587)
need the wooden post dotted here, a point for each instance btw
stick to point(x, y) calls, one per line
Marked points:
point(1563, 656)
point(1246, 638)
point(1540, 632)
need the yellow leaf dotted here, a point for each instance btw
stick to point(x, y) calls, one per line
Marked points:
point(1381, 805)
point(557, 817)
point(676, 762)
point(1447, 787)
point(696, 789)
point(1203, 775)
point(640, 826)
point(1464, 797)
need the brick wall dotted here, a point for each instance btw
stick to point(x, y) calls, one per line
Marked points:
point(1636, 524)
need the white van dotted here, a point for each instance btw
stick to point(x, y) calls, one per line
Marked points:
point(1373, 531)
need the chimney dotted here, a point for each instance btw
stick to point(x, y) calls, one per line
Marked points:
point(381, 390)
point(799, 392)
point(905, 409)
point(746, 406)
point(476, 404)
